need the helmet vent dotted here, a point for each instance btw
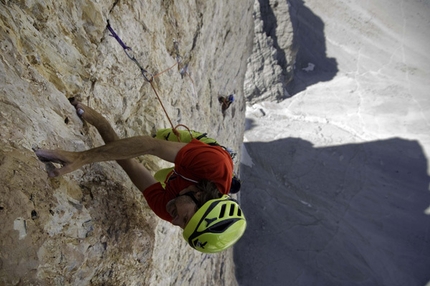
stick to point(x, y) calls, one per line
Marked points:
point(231, 209)
point(239, 212)
point(222, 212)
point(221, 226)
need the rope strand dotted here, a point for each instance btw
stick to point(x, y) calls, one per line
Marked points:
point(129, 52)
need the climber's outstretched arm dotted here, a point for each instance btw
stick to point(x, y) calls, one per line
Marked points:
point(121, 150)
point(137, 173)
point(116, 150)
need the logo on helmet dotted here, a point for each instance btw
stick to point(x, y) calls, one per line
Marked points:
point(200, 244)
point(210, 220)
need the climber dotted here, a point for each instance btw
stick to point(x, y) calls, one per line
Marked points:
point(195, 193)
point(226, 101)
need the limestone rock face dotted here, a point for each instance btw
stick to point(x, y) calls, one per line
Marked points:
point(92, 226)
point(271, 65)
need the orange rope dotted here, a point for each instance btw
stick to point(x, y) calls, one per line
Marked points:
point(174, 129)
point(128, 52)
point(165, 70)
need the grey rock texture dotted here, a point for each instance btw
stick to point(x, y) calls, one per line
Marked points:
point(271, 65)
point(92, 227)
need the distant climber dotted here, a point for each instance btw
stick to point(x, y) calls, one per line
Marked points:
point(195, 195)
point(226, 101)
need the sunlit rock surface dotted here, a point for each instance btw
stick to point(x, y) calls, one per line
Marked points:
point(92, 226)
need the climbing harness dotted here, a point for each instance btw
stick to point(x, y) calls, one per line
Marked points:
point(148, 76)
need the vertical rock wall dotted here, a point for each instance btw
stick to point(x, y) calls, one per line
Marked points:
point(92, 227)
point(271, 65)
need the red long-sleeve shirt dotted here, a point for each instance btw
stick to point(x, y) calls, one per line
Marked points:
point(196, 161)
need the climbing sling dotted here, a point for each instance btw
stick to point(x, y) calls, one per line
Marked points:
point(147, 76)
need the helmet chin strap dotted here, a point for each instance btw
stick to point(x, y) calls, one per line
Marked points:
point(185, 178)
point(191, 195)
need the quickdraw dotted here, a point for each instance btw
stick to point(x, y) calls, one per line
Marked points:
point(147, 76)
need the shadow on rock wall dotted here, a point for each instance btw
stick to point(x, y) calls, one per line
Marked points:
point(312, 64)
point(341, 215)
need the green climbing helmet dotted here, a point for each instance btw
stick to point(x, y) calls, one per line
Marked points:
point(216, 226)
